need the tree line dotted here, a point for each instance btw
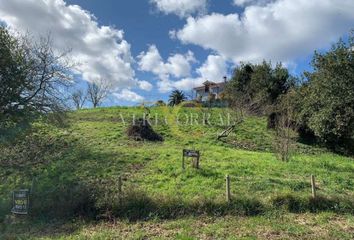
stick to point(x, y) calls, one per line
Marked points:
point(319, 104)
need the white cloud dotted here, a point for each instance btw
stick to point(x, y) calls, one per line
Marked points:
point(165, 86)
point(128, 95)
point(180, 65)
point(243, 3)
point(151, 60)
point(145, 85)
point(213, 69)
point(177, 65)
point(101, 50)
point(185, 84)
point(181, 8)
point(283, 30)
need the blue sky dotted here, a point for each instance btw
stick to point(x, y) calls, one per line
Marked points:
point(144, 25)
point(146, 48)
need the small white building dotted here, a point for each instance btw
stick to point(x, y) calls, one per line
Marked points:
point(209, 88)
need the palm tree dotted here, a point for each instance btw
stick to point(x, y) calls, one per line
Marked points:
point(176, 98)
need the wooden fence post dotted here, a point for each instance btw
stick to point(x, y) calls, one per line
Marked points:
point(228, 192)
point(195, 162)
point(120, 184)
point(313, 186)
point(198, 158)
point(183, 162)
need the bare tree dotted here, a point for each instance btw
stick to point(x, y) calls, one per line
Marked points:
point(97, 92)
point(79, 98)
point(48, 75)
point(40, 75)
point(285, 129)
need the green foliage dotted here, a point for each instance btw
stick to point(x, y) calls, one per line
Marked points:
point(257, 86)
point(176, 97)
point(327, 99)
point(160, 103)
point(13, 67)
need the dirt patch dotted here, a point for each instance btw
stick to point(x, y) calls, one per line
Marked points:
point(142, 130)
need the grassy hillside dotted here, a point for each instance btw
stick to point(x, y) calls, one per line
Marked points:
point(74, 171)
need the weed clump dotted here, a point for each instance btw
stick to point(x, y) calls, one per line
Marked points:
point(142, 130)
point(298, 204)
point(140, 206)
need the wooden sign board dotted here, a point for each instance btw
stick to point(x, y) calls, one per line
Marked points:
point(192, 154)
point(20, 202)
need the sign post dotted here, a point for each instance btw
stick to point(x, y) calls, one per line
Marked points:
point(192, 154)
point(20, 202)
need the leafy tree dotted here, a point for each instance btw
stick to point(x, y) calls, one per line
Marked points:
point(176, 98)
point(13, 68)
point(257, 86)
point(328, 96)
point(237, 88)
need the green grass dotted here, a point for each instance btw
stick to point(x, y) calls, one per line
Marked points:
point(83, 160)
point(278, 226)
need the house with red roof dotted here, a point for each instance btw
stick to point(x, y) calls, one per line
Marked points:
point(209, 89)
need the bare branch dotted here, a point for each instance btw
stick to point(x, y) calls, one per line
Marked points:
point(79, 98)
point(97, 92)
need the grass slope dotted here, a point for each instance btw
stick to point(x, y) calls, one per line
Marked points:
point(81, 162)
